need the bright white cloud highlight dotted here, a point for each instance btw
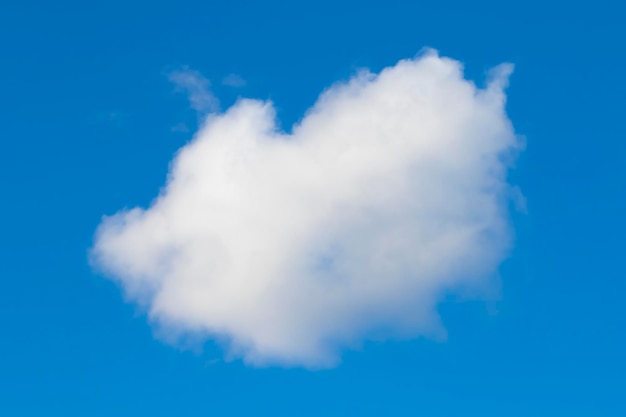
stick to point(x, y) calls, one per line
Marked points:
point(290, 247)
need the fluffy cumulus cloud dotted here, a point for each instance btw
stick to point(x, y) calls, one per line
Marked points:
point(290, 247)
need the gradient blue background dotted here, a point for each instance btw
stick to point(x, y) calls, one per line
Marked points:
point(85, 127)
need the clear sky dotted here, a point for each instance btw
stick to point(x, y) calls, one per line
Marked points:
point(91, 115)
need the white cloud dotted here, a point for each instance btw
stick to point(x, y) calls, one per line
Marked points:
point(290, 247)
point(197, 89)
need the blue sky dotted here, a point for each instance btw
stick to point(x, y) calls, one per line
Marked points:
point(89, 123)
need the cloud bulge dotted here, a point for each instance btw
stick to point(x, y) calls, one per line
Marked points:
point(291, 247)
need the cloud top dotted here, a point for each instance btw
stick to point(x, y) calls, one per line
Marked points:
point(290, 247)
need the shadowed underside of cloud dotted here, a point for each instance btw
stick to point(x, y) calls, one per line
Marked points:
point(290, 247)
